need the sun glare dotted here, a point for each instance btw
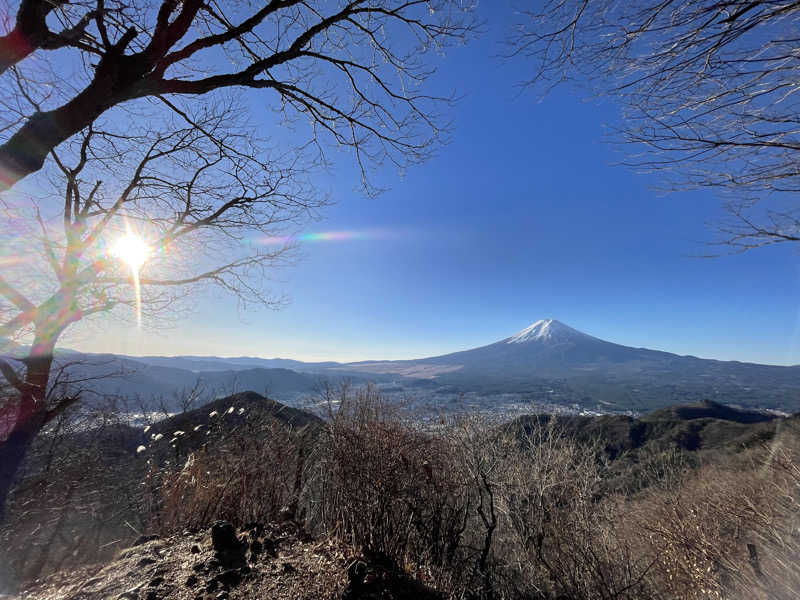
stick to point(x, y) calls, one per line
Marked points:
point(132, 250)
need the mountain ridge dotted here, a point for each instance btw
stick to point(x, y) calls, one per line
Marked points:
point(547, 362)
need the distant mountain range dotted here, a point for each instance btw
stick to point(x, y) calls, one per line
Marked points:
point(548, 363)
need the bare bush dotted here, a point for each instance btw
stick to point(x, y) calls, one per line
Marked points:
point(726, 533)
point(252, 473)
point(477, 510)
point(384, 485)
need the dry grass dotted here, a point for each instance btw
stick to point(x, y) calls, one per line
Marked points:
point(477, 511)
point(251, 475)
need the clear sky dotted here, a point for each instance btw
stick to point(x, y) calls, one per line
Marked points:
point(522, 216)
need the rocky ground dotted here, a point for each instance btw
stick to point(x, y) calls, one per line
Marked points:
point(277, 561)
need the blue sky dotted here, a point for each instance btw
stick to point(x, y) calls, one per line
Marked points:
point(522, 216)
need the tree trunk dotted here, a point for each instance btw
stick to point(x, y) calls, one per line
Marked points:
point(31, 417)
point(13, 452)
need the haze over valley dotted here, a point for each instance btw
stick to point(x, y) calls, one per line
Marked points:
point(546, 367)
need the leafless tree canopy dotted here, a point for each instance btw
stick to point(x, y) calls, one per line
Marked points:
point(707, 88)
point(134, 106)
point(353, 68)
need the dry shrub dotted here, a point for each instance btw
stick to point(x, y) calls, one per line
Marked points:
point(477, 510)
point(250, 474)
point(384, 485)
point(727, 533)
point(559, 536)
point(529, 515)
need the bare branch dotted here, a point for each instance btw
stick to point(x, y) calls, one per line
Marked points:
point(14, 296)
point(708, 87)
point(289, 46)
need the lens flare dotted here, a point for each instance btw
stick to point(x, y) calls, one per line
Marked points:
point(133, 251)
point(330, 236)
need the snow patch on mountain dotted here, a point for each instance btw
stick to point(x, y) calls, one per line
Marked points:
point(546, 330)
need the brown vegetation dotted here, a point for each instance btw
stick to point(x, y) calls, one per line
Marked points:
point(473, 510)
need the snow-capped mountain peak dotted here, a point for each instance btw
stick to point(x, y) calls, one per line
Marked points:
point(546, 330)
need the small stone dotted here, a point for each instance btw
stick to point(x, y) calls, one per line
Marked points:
point(223, 537)
point(212, 564)
point(270, 546)
point(357, 571)
point(371, 577)
point(288, 568)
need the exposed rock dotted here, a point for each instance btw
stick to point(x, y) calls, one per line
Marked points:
point(286, 564)
point(223, 537)
point(229, 578)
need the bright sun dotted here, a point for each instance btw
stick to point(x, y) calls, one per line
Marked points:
point(132, 250)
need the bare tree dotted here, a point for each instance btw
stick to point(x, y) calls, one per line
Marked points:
point(193, 197)
point(353, 68)
point(707, 89)
point(186, 181)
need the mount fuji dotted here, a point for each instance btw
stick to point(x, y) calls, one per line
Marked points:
point(547, 347)
point(551, 360)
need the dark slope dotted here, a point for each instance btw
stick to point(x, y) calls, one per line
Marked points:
point(213, 424)
point(696, 427)
point(253, 405)
point(709, 410)
point(641, 451)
